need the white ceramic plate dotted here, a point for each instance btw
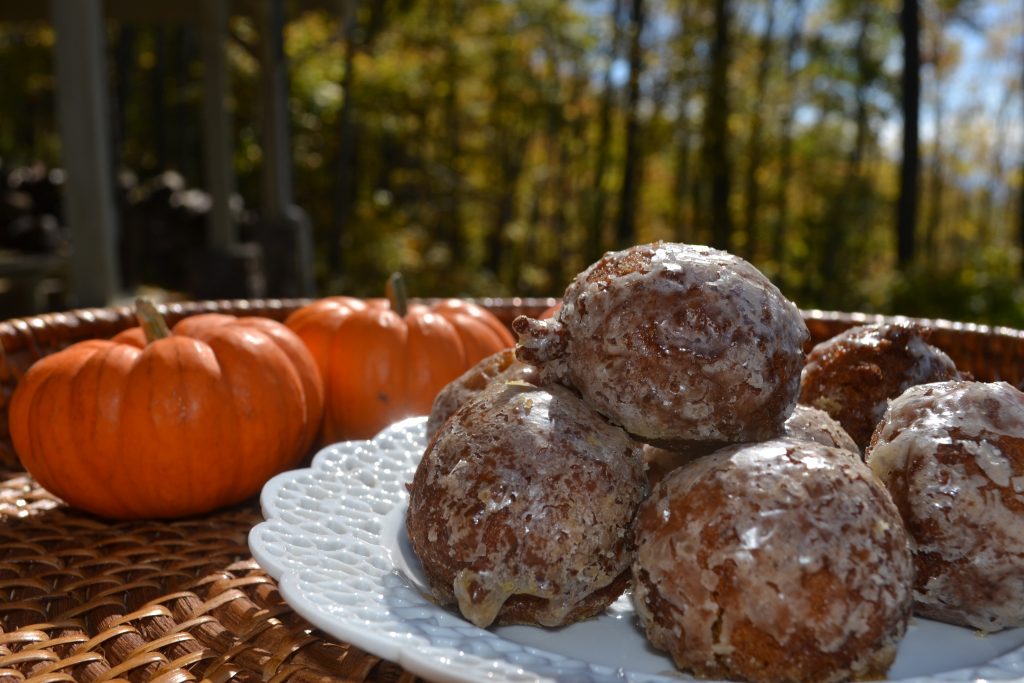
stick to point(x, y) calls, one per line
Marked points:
point(334, 538)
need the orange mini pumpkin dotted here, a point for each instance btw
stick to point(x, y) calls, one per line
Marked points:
point(382, 361)
point(167, 424)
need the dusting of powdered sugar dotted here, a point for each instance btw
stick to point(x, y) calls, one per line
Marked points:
point(732, 540)
point(853, 374)
point(811, 424)
point(675, 343)
point(952, 454)
point(525, 492)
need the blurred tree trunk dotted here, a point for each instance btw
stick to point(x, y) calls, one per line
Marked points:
point(997, 168)
point(508, 151)
point(659, 142)
point(451, 216)
point(345, 191)
point(567, 266)
point(933, 217)
point(685, 84)
point(558, 222)
point(595, 241)
point(847, 204)
point(548, 242)
point(716, 120)
point(906, 221)
point(935, 55)
point(755, 143)
point(376, 22)
point(1020, 214)
point(781, 228)
point(625, 228)
point(526, 253)
point(1020, 185)
point(681, 225)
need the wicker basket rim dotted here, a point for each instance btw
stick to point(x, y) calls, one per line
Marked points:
point(514, 302)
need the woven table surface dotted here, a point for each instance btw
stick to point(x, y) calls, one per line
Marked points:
point(85, 599)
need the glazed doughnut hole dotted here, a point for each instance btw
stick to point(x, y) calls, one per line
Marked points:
point(521, 510)
point(952, 456)
point(772, 562)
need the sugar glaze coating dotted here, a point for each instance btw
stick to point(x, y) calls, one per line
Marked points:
point(811, 424)
point(779, 561)
point(853, 375)
point(521, 510)
point(952, 455)
point(805, 423)
point(675, 343)
point(501, 366)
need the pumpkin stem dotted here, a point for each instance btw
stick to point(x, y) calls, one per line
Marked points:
point(397, 294)
point(152, 323)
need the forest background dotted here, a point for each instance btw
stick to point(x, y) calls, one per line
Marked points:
point(867, 156)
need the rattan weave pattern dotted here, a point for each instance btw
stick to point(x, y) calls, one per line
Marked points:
point(84, 599)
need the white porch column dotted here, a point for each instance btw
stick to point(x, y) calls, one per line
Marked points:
point(83, 116)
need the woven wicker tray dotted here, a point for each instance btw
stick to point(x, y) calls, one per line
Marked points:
point(82, 599)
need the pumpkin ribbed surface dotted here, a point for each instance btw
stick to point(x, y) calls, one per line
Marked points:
point(379, 366)
point(179, 426)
